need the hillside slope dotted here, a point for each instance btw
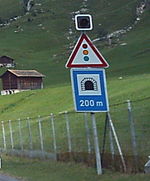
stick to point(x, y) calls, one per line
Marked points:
point(41, 40)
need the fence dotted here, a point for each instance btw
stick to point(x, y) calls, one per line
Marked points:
point(69, 136)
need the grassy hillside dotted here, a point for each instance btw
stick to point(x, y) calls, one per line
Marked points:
point(9, 9)
point(57, 99)
point(40, 40)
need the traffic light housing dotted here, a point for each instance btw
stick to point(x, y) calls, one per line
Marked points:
point(83, 22)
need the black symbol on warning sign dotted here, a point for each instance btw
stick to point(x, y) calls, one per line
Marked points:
point(89, 84)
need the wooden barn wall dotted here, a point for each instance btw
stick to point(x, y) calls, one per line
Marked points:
point(9, 81)
point(29, 83)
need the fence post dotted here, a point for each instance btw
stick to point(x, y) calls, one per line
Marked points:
point(4, 136)
point(133, 134)
point(96, 143)
point(68, 132)
point(30, 134)
point(11, 135)
point(87, 133)
point(20, 134)
point(53, 133)
point(41, 134)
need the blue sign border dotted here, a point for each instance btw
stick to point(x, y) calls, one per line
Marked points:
point(89, 103)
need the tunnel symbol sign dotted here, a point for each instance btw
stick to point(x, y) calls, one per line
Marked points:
point(89, 84)
point(89, 90)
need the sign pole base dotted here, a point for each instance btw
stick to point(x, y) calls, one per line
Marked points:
point(97, 151)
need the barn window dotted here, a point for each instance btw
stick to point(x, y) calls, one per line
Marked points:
point(89, 84)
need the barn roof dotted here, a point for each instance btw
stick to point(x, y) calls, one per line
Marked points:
point(25, 73)
point(6, 59)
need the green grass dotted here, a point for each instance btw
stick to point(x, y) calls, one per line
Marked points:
point(47, 49)
point(58, 99)
point(42, 102)
point(9, 9)
point(32, 170)
point(119, 115)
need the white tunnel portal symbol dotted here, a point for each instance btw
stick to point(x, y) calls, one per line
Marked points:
point(89, 84)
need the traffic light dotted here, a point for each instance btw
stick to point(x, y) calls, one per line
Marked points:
point(85, 52)
point(83, 22)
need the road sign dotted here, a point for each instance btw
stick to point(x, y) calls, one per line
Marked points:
point(89, 90)
point(85, 54)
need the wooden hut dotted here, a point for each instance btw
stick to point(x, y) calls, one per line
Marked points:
point(19, 80)
point(6, 61)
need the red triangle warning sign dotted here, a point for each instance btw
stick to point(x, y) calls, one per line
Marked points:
point(85, 54)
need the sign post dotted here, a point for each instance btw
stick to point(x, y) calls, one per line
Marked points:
point(97, 151)
point(88, 78)
point(90, 95)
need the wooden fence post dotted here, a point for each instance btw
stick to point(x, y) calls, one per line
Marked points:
point(11, 135)
point(4, 136)
point(41, 134)
point(133, 135)
point(68, 132)
point(30, 134)
point(20, 134)
point(53, 133)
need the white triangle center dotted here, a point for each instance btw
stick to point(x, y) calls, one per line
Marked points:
point(90, 58)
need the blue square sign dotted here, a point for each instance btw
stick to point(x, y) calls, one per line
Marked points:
point(89, 90)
